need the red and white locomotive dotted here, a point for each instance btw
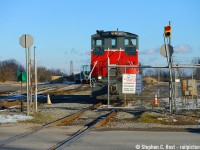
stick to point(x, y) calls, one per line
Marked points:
point(121, 48)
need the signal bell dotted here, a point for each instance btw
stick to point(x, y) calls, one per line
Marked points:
point(167, 31)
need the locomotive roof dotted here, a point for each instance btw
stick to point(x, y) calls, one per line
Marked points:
point(113, 33)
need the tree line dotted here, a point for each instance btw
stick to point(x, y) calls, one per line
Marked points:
point(10, 67)
point(162, 74)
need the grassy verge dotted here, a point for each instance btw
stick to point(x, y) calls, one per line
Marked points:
point(167, 119)
point(40, 118)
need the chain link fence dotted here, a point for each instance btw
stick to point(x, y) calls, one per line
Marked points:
point(156, 89)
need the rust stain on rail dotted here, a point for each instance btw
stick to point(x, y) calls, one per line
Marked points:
point(106, 119)
point(6, 104)
point(109, 117)
point(66, 120)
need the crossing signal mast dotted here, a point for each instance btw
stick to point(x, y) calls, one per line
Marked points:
point(168, 49)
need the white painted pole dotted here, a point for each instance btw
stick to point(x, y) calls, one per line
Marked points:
point(35, 68)
point(27, 85)
point(29, 77)
point(108, 73)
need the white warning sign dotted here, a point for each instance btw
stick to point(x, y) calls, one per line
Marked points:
point(131, 83)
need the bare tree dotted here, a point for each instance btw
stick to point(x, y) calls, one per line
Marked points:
point(9, 69)
point(44, 74)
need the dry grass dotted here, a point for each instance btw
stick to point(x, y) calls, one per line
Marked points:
point(167, 119)
point(40, 118)
point(148, 80)
point(79, 90)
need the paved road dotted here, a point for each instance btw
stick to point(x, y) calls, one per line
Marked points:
point(131, 140)
point(8, 87)
point(99, 140)
point(41, 140)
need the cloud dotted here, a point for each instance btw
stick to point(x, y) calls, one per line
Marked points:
point(150, 51)
point(183, 48)
point(178, 49)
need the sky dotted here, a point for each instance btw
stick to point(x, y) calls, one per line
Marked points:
point(62, 29)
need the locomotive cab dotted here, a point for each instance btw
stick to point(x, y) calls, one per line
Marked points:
point(121, 48)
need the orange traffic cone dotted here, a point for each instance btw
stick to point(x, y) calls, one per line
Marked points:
point(48, 100)
point(155, 101)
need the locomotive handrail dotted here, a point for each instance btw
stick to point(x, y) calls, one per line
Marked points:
point(128, 66)
point(91, 73)
point(119, 55)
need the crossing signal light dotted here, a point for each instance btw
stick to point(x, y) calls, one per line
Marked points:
point(168, 31)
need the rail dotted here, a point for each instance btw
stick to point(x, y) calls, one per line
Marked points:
point(94, 124)
point(60, 121)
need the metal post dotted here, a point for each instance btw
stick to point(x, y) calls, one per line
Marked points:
point(22, 108)
point(171, 79)
point(35, 68)
point(108, 73)
point(158, 82)
point(29, 78)
point(27, 81)
point(175, 88)
point(26, 41)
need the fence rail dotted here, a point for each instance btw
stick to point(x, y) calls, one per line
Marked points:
point(156, 79)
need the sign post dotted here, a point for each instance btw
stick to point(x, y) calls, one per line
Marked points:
point(26, 41)
point(21, 77)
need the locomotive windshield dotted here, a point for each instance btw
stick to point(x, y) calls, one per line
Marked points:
point(129, 41)
point(98, 46)
point(114, 40)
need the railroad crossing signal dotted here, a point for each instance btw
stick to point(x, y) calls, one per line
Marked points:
point(167, 31)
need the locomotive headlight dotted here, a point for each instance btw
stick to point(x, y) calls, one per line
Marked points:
point(99, 77)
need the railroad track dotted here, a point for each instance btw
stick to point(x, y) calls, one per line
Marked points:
point(42, 90)
point(62, 121)
point(100, 119)
point(97, 122)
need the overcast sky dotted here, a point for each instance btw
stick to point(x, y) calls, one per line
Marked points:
point(62, 29)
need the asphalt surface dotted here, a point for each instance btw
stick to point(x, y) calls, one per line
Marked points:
point(8, 88)
point(131, 140)
point(99, 140)
point(41, 140)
